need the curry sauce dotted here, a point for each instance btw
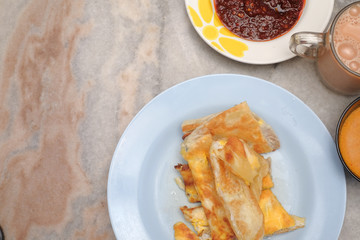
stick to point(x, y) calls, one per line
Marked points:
point(349, 141)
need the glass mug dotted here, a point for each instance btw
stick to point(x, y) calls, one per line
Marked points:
point(337, 51)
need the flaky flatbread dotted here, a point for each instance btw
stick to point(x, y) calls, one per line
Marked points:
point(229, 184)
point(241, 122)
point(267, 182)
point(196, 216)
point(245, 163)
point(188, 181)
point(238, 200)
point(276, 218)
point(195, 151)
point(182, 232)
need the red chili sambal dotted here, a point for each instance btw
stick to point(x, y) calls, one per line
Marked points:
point(259, 20)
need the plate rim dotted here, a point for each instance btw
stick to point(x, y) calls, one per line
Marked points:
point(199, 78)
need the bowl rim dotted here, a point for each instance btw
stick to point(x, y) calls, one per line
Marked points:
point(343, 116)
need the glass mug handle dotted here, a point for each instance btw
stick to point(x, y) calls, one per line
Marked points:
point(308, 44)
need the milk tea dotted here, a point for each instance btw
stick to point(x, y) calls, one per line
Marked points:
point(340, 64)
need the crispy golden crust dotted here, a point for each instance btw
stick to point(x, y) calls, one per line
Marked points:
point(214, 211)
point(182, 232)
point(196, 216)
point(190, 125)
point(276, 218)
point(196, 144)
point(267, 182)
point(188, 179)
point(239, 202)
point(238, 121)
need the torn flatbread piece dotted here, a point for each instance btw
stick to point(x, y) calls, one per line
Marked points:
point(239, 202)
point(241, 122)
point(183, 232)
point(188, 181)
point(196, 216)
point(267, 182)
point(245, 163)
point(276, 218)
point(190, 125)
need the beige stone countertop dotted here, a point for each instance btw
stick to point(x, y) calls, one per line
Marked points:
point(74, 73)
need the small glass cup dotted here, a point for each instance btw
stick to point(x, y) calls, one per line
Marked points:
point(338, 73)
point(348, 110)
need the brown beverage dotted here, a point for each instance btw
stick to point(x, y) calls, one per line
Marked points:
point(347, 38)
point(337, 51)
point(339, 66)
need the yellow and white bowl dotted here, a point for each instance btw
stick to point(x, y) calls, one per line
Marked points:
point(315, 17)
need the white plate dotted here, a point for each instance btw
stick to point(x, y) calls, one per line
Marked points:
point(144, 199)
point(315, 18)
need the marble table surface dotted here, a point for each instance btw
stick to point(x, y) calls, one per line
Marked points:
point(72, 76)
